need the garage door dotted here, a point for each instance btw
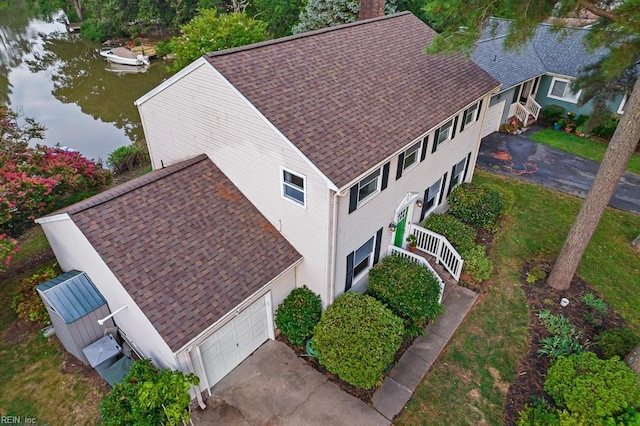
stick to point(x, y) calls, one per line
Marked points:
point(235, 341)
point(494, 116)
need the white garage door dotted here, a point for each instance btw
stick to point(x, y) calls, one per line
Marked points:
point(235, 341)
point(492, 123)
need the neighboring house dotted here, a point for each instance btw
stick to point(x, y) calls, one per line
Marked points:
point(322, 153)
point(536, 74)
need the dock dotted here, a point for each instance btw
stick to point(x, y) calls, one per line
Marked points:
point(145, 50)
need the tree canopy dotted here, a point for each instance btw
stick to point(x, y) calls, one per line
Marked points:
point(328, 13)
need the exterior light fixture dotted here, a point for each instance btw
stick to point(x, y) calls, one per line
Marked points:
point(419, 203)
point(392, 226)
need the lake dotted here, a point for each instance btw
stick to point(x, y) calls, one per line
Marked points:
point(60, 79)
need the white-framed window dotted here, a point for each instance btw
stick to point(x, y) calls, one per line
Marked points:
point(470, 116)
point(411, 156)
point(457, 174)
point(622, 104)
point(293, 186)
point(363, 259)
point(431, 199)
point(369, 186)
point(444, 132)
point(560, 89)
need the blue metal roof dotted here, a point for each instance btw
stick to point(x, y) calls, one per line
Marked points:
point(72, 295)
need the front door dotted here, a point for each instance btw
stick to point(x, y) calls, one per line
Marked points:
point(401, 224)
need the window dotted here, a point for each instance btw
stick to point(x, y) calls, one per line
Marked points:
point(431, 199)
point(411, 156)
point(444, 133)
point(622, 104)
point(362, 259)
point(458, 173)
point(293, 186)
point(561, 89)
point(471, 115)
point(369, 186)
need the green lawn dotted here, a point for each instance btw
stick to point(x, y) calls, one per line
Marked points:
point(469, 382)
point(582, 147)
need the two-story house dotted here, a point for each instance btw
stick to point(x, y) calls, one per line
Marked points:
point(319, 152)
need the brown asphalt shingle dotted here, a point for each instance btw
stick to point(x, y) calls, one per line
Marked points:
point(350, 96)
point(185, 243)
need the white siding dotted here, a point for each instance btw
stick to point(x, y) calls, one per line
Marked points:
point(74, 251)
point(355, 228)
point(279, 288)
point(202, 113)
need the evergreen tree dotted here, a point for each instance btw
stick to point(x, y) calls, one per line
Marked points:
point(329, 13)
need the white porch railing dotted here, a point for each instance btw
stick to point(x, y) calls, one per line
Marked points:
point(533, 107)
point(397, 251)
point(439, 247)
point(522, 113)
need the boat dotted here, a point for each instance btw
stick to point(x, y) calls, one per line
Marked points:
point(123, 56)
point(126, 69)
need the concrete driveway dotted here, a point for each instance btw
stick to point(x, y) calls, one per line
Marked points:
point(517, 156)
point(274, 387)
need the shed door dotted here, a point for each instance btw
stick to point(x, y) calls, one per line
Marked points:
point(492, 122)
point(235, 341)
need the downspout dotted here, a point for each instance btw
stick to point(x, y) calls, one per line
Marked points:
point(334, 238)
point(195, 389)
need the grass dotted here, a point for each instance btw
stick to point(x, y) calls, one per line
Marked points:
point(582, 147)
point(32, 383)
point(468, 383)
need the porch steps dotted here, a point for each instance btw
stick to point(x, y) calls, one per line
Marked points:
point(449, 282)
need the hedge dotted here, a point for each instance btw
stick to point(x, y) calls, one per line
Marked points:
point(298, 314)
point(459, 234)
point(475, 205)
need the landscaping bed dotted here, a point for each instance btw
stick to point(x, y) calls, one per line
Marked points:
point(532, 368)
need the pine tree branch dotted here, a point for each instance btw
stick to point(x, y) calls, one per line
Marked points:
point(596, 10)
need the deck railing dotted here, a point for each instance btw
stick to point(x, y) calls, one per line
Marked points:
point(397, 251)
point(533, 107)
point(522, 113)
point(439, 247)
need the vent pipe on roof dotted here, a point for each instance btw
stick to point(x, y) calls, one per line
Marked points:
point(371, 9)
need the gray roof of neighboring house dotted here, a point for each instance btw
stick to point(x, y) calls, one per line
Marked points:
point(185, 244)
point(72, 295)
point(350, 96)
point(548, 51)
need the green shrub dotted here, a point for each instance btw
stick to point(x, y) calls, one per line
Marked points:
point(475, 205)
point(357, 338)
point(549, 114)
point(27, 302)
point(410, 290)
point(127, 158)
point(93, 30)
point(591, 390)
point(508, 197)
point(608, 128)
point(539, 414)
point(565, 341)
point(459, 234)
point(298, 314)
point(535, 274)
point(581, 119)
point(477, 263)
point(616, 342)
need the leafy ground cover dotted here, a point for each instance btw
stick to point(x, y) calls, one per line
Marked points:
point(470, 382)
point(583, 147)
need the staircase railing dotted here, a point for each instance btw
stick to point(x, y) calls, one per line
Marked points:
point(397, 251)
point(522, 113)
point(439, 247)
point(533, 107)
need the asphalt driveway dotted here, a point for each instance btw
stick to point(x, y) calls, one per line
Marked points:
point(517, 156)
point(275, 387)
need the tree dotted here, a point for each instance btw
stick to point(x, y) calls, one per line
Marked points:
point(209, 32)
point(328, 13)
point(618, 31)
point(280, 15)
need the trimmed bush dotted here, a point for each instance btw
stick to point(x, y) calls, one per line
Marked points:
point(538, 415)
point(475, 205)
point(617, 342)
point(410, 290)
point(128, 158)
point(477, 263)
point(27, 302)
point(591, 390)
point(459, 234)
point(298, 314)
point(508, 197)
point(357, 338)
point(549, 114)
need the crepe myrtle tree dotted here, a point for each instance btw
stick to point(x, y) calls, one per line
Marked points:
point(618, 31)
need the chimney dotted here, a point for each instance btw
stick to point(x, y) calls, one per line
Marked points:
point(371, 9)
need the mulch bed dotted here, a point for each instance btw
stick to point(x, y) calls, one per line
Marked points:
point(531, 370)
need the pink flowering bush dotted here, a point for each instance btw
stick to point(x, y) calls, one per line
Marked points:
point(37, 180)
point(8, 247)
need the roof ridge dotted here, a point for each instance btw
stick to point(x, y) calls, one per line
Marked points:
point(302, 35)
point(130, 186)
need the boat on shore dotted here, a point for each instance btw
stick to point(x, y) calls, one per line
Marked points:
point(124, 56)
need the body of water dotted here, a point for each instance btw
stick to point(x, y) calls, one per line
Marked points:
point(60, 79)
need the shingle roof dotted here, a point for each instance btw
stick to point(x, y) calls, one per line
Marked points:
point(548, 51)
point(185, 243)
point(350, 96)
point(72, 294)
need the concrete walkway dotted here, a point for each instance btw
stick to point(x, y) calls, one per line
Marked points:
point(517, 156)
point(398, 387)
